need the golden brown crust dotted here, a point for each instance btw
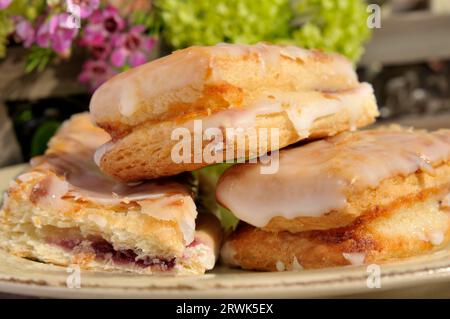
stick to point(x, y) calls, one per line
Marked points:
point(360, 201)
point(145, 153)
point(161, 236)
point(263, 86)
point(63, 208)
point(412, 225)
point(209, 79)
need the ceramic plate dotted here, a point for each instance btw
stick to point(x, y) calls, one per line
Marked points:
point(424, 276)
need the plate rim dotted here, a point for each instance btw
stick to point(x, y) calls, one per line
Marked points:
point(348, 280)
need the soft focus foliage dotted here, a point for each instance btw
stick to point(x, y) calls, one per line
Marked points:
point(209, 22)
point(6, 27)
point(113, 42)
point(332, 25)
point(208, 177)
point(42, 26)
point(8, 10)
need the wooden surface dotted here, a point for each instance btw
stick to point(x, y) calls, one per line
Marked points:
point(409, 38)
point(428, 122)
point(9, 147)
point(55, 81)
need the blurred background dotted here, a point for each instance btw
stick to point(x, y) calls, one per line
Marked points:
point(49, 67)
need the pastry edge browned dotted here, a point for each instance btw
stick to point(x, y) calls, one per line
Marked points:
point(380, 235)
point(145, 152)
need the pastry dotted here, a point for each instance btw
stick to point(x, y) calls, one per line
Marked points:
point(286, 92)
point(64, 211)
point(358, 197)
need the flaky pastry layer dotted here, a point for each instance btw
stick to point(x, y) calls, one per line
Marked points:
point(410, 226)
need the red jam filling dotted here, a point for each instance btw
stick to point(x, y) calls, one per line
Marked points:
point(105, 251)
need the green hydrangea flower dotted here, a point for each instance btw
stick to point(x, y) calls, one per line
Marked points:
point(208, 178)
point(26, 8)
point(209, 22)
point(331, 25)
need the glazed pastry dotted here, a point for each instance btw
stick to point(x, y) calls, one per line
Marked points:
point(303, 94)
point(64, 211)
point(358, 197)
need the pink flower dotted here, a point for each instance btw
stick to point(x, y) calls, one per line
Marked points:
point(112, 21)
point(43, 35)
point(4, 4)
point(133, 47)
point(100, 52)
point(87, 7)
point(56, 33)
point(112, 44)
point(94, 34)
point(24, 31)
point(95, 72)
point(101, 24)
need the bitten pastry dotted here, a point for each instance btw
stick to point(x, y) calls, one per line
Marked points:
point(301, 93)
point(355, 198)
point(64, 211)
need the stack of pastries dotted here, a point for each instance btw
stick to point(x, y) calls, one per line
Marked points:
point(63, 210)
point(112, 196)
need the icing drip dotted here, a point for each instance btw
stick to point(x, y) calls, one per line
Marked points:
point(76, 176)
point(446, 201)
point(311, 179)
point(356, 259)
point(280, 266)
point(296, 265)
point(302, 108)
point(436, 237)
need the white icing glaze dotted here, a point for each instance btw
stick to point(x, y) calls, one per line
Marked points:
point(294, 53)
point(168, 208)
point(270, 56)
point(228, 253)
point(280, 266)
point(436, 237)
point(446, 201)
point(132, 91)
point(302, 108)
point(77, 177)
point(356, 259)
point(128, 100)
point(99, 220)
point(311, 179)
point(26, 177)
point(49, 193)
point(99, 152)
point(296, 265)
point(202, 254)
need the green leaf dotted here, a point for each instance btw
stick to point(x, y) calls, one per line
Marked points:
point(24, 116)
point(38, 58)
point(29, 9)
point(42, 136)
point(151, 20)
point(6, 27)
point(208, 178)
point(332, 25)
point(209, 22)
